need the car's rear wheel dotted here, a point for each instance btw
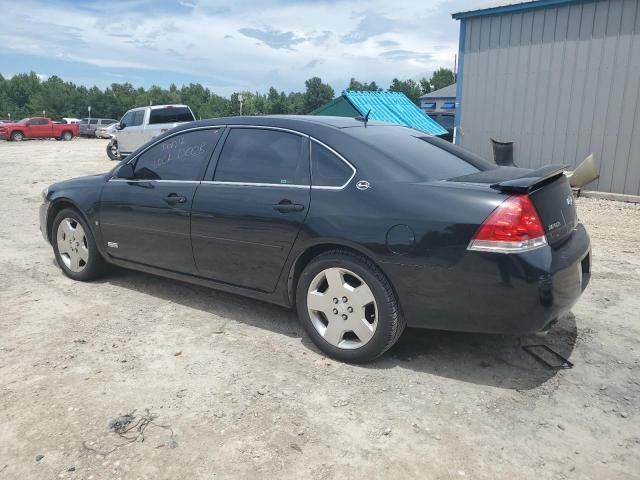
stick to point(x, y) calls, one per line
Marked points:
point(348, 307)
point(75, 248)
point(66, 136)
point(17, 136)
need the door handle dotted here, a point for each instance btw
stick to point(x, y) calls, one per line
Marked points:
point(285, 206)
point(174, 198)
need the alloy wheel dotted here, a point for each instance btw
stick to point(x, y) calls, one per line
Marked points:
point(342, 308)
point(72, 245)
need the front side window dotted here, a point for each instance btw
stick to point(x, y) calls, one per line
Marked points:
point(127, 119)
point(252, 155)
point(170, 115)
point(93, 121)
point(180, 157)
point(327, 169)
point(138, 118)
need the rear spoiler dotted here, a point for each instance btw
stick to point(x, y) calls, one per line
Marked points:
point(531, 180)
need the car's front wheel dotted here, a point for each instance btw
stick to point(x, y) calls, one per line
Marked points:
point(112, 150)
point(17, 136)
point(348, 307)
point(75, 248)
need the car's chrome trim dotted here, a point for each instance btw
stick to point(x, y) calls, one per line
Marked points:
point(507, 247)
point(112, 179)
point(322, 187)
point(265, 127)
point(249, 184)
point(215, 182)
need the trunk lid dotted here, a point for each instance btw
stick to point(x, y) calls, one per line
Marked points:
point(548, 189)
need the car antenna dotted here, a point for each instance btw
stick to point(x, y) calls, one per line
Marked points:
point(364, 119)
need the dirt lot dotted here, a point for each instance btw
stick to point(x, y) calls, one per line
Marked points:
point(248, 396)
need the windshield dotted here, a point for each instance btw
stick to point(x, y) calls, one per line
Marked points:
point(23, 121)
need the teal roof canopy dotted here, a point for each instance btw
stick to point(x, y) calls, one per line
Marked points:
point(393, 107)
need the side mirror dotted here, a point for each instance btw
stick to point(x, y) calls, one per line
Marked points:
point(120, 126)
point(125, 171)
point(28, 124)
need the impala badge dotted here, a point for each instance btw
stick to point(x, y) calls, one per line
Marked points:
point(363, 185)
point(112, 244)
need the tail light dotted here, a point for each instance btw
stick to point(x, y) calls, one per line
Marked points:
point(513, 227)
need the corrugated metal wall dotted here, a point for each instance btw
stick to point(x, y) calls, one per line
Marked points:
point(560, 82)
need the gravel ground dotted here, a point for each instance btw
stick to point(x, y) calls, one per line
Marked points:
point(246, 395)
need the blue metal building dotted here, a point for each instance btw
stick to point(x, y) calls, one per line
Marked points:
point(559, 78)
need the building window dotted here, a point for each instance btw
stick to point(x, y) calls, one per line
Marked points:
point(449, 105)
point(429, 105)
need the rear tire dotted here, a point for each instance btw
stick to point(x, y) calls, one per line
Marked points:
point(17, 136)
point(347, 307)
point(75, 248)
point(67, 136)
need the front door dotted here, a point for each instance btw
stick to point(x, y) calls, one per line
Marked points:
point(146, 219)
point(129, 138)
point(39, 128)
point(246, 220)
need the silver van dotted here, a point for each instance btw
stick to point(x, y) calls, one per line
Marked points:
point(88, 125)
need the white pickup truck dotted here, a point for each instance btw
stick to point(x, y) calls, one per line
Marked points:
point(139, 125)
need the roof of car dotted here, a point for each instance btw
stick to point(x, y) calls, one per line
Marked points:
point(288, 121)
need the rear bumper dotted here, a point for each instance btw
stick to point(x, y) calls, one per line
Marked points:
point(497, 293)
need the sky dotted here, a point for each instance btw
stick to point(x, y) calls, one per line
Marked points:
point(229, 46)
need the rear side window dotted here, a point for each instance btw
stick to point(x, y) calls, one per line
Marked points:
point(171, 115)
point(327, 169)
point(180, 157)
point(252, 155)
point(84, 121)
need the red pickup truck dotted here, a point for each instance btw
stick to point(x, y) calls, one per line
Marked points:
point(38, 127)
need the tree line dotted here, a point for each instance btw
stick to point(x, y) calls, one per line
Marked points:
point(26, 95)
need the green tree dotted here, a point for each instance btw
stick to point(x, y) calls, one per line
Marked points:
point(317, 94)
point(409, 87)
point(363, 87)
point(443, 77)
point(425, 86)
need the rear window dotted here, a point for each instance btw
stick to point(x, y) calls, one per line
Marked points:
point(419, 155)
point(171, 115)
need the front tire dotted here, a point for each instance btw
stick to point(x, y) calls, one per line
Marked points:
point(347, 307)
point(75, 248)
point(17, 136)
point(112, 151)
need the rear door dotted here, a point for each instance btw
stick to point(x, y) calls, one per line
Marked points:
point(146, 219)
point(246, 218)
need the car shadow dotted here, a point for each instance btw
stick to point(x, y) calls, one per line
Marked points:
point(492, 360)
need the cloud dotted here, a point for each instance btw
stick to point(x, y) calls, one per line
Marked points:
point(275, 39)
point(313, 63)
point(407, 55)
point(150, 42)
point(387, 43)
point(370, 25)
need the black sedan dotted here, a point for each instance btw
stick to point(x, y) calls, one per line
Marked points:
point(363, 227)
